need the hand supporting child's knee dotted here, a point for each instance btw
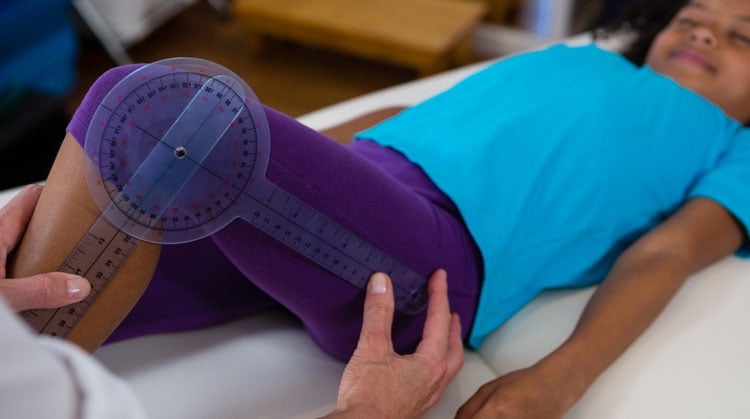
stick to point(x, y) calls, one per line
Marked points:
point(47, 290)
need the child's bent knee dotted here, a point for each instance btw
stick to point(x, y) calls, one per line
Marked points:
point(63, 215)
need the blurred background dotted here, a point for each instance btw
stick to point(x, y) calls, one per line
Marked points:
point(53, 50)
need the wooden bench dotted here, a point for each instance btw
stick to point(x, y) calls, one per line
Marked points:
point(428, 35)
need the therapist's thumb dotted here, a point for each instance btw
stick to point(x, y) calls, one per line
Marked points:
point(48, 290)
point(378, 314)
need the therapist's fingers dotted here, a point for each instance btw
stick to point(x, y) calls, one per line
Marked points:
point(438, 328)
point(455, 348)
point(49, 290)
point(378, 382)
point(441, 336)
point(378, 316)
point(14, 218)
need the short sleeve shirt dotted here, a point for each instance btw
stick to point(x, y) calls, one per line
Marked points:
point(558, 159)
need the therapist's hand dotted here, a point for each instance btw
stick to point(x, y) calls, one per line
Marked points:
point(47, 290)
point(379, 383)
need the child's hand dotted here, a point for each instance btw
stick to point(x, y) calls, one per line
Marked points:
point(527, 393)
point(49, 290)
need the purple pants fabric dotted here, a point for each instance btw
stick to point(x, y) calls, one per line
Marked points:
point(371, 190)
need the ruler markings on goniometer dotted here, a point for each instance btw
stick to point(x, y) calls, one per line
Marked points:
point(97, 257)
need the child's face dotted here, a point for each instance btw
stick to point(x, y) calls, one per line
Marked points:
point(706, 48)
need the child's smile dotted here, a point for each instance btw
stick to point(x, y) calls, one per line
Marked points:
point(706, 48)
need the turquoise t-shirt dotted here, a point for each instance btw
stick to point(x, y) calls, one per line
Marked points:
point(559, 159)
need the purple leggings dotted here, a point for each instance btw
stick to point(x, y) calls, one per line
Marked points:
point(371, 190)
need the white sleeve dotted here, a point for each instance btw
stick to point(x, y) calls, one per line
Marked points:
point(44, 377)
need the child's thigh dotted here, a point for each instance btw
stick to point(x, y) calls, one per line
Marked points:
point(370, 202)
point(194, 286)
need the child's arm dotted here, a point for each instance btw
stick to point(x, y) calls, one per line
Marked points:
point(638, 288)
point(64, 213)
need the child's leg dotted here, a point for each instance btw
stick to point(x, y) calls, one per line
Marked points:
point(193, 285)
point(63, 215)
point(398, 209)
point(395, 207)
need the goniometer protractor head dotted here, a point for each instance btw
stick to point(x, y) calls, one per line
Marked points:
point(172, 148)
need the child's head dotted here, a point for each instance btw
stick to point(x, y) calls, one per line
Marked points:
point(642, 20)
point(702, 44)
point(706, 48)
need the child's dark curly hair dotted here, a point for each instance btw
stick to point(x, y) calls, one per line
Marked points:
point(644, 19)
